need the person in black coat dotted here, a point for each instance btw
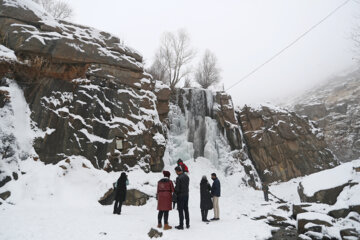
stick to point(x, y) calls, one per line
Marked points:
point(205, 198)
point(182, 193)
point(120, 193)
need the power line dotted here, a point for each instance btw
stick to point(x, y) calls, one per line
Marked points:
point(289, 45)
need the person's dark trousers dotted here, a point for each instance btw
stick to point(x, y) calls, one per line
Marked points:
point(183, 202)
point(204, 214)
point(117, 207)
point(266, 196)
point(166, 217)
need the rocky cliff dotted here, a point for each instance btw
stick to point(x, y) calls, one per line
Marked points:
point(283, 145)
point(335, 107)
point(84, 90)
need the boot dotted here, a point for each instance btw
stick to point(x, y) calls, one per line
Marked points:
point(180, 227)
point(159, 225)
point(167, 227)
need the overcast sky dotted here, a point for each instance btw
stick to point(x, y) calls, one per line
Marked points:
point(243, 34)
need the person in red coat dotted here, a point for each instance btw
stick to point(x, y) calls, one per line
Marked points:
point(164, 194)
point(183, 166)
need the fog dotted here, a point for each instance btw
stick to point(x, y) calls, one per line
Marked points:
point(243, 34)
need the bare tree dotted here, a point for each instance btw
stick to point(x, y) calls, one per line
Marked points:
point(208, 71)
point(158, 71)
point(173, 57)
point(187, 82)
point(57, 8)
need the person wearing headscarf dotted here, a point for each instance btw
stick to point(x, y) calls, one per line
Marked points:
point(206, 203)
point(165, 189)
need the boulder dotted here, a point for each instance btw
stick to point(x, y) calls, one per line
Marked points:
point(314, 218)
point(288, 233)
point(5, 180)
point(354, 216)
point(349, 233)
point(303, 237)
point(326, 186)
point(284, 208)
point(339, 213)
point(5, 195)
point(134, 197)
point(108, 198)
point(299, 208)
point(153, 233)
point(327, 196)
point(277, 221)
point(355, 208)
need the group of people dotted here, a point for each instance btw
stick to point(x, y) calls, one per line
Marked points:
point(169, 195)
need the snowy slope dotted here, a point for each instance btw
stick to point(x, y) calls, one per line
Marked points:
point(49, 202)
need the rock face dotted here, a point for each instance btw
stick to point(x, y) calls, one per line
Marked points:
point(84, 89)
point(335, 107)
point(283, 145)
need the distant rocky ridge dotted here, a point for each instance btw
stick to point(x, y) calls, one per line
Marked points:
point(335, 107)
point(85, 90)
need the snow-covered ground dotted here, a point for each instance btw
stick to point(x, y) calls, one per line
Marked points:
point(49, 202)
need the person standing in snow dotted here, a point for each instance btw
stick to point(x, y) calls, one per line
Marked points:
point(215, 193)
point(120, 193)
point(205, 198)
point(265, 189)
point(182, 193)
point(164, 193)
point(183, 166)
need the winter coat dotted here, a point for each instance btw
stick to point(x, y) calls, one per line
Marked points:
point(183, 167)
point(165, 189)
point(216, 188)
point(120, 193)
point(205, 196)
point(182, 185)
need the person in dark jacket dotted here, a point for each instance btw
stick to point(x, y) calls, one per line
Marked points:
point(164, 193)
point(205, 198)
point(215, 193)
point(265, 189)
point(120, 193)
point(181, 164)
point(182, 193)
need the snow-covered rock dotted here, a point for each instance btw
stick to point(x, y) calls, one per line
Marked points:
point(326, 186)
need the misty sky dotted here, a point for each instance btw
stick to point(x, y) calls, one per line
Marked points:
point(243, 34)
